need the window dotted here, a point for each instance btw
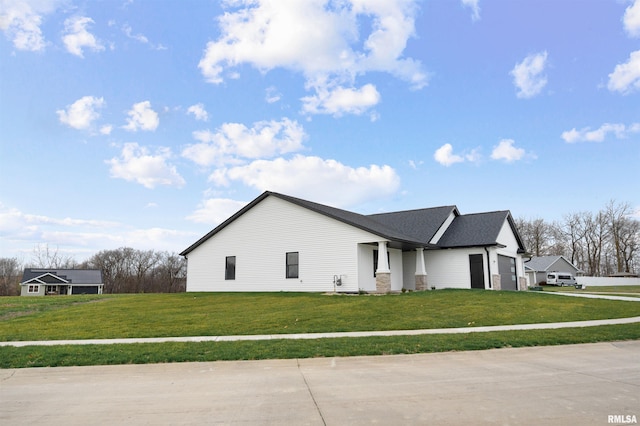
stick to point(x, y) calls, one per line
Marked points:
point(292, 264)
point(230, 268)
point(34, 288)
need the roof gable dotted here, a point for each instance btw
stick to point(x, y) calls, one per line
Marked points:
point(479, 229)
point(357, 220)
point(404, 229)
point(62, 276)
point(422, 224)
point(548, 263)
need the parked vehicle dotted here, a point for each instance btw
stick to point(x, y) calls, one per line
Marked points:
point(560, 279)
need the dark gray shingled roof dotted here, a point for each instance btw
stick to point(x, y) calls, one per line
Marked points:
point(73, 276)
point(405, 229)
point(480, 229)
point(422, 223)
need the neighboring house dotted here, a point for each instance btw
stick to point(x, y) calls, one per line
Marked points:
point(537, 267)
point(282, 243)
point(47, 282)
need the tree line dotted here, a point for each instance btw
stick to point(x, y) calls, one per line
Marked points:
point(600, 244)
point(124, 270)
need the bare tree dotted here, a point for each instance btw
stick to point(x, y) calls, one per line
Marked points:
point(537, 235)
point(44, 257)
point(126, 270)
point(10, 270)
point(623, 232)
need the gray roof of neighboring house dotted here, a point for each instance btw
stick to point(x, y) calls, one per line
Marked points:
point(543, 263)
point(72, 276)
point(405, 229)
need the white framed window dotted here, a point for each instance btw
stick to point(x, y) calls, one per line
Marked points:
point(230, 268)
point(34, 288)
point(292, 261)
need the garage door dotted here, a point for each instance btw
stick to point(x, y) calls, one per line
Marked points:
point(90, 289)
point(507, 271)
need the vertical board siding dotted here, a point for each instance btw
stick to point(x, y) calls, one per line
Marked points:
point(262, 236)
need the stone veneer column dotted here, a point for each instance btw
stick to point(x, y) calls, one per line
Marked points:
point(496, 280)
point(421, 271)
point(383, 273)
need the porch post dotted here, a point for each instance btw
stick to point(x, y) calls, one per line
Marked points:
point(421, 270)
point(383, 273)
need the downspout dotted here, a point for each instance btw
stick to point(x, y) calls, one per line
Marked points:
point(489, 267)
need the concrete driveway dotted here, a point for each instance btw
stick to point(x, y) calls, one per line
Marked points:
point(561, 385)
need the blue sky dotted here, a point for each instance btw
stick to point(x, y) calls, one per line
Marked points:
point(146, 123)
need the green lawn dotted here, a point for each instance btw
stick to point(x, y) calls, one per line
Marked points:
point(620, 290)
point(195, 314)
point(191, 314)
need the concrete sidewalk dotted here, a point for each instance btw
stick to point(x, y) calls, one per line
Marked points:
point(553, 385)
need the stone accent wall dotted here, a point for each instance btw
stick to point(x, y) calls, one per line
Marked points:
point(421, 283)
point(522, 283)
point(495, 279)
point(383, 282)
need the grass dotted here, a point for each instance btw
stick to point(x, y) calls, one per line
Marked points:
point(191, 314)
point(620, 290)
point(71, 355)
point(211, 314)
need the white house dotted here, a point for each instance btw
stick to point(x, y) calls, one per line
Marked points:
point(282, 243)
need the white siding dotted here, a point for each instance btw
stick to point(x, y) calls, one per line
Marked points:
point(450, 268)
point(260, 239)
point(507, 238)
point(395, 257)
point(367, 281)
point(409, 267)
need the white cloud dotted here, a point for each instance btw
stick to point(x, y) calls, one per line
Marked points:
point(272, 95)
point(215, 210)
point(631, 19)
point(327, 181)
point(106, 129)
point(507, 152)
point(82, 113)
point(528, 75)
point(86, 237)
point(77, 37)
point(445, 156)
point(20, 20)
point(474, 5)
point(625, 78)
point(338, 101)
point(128, 31)
point(198, 112)
point(138, 37)
point(620, 131)
point(142, 117)
point(137, 164)
point(233, 142)
point(320, 39)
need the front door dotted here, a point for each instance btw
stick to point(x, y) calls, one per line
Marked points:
point(476, 265)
